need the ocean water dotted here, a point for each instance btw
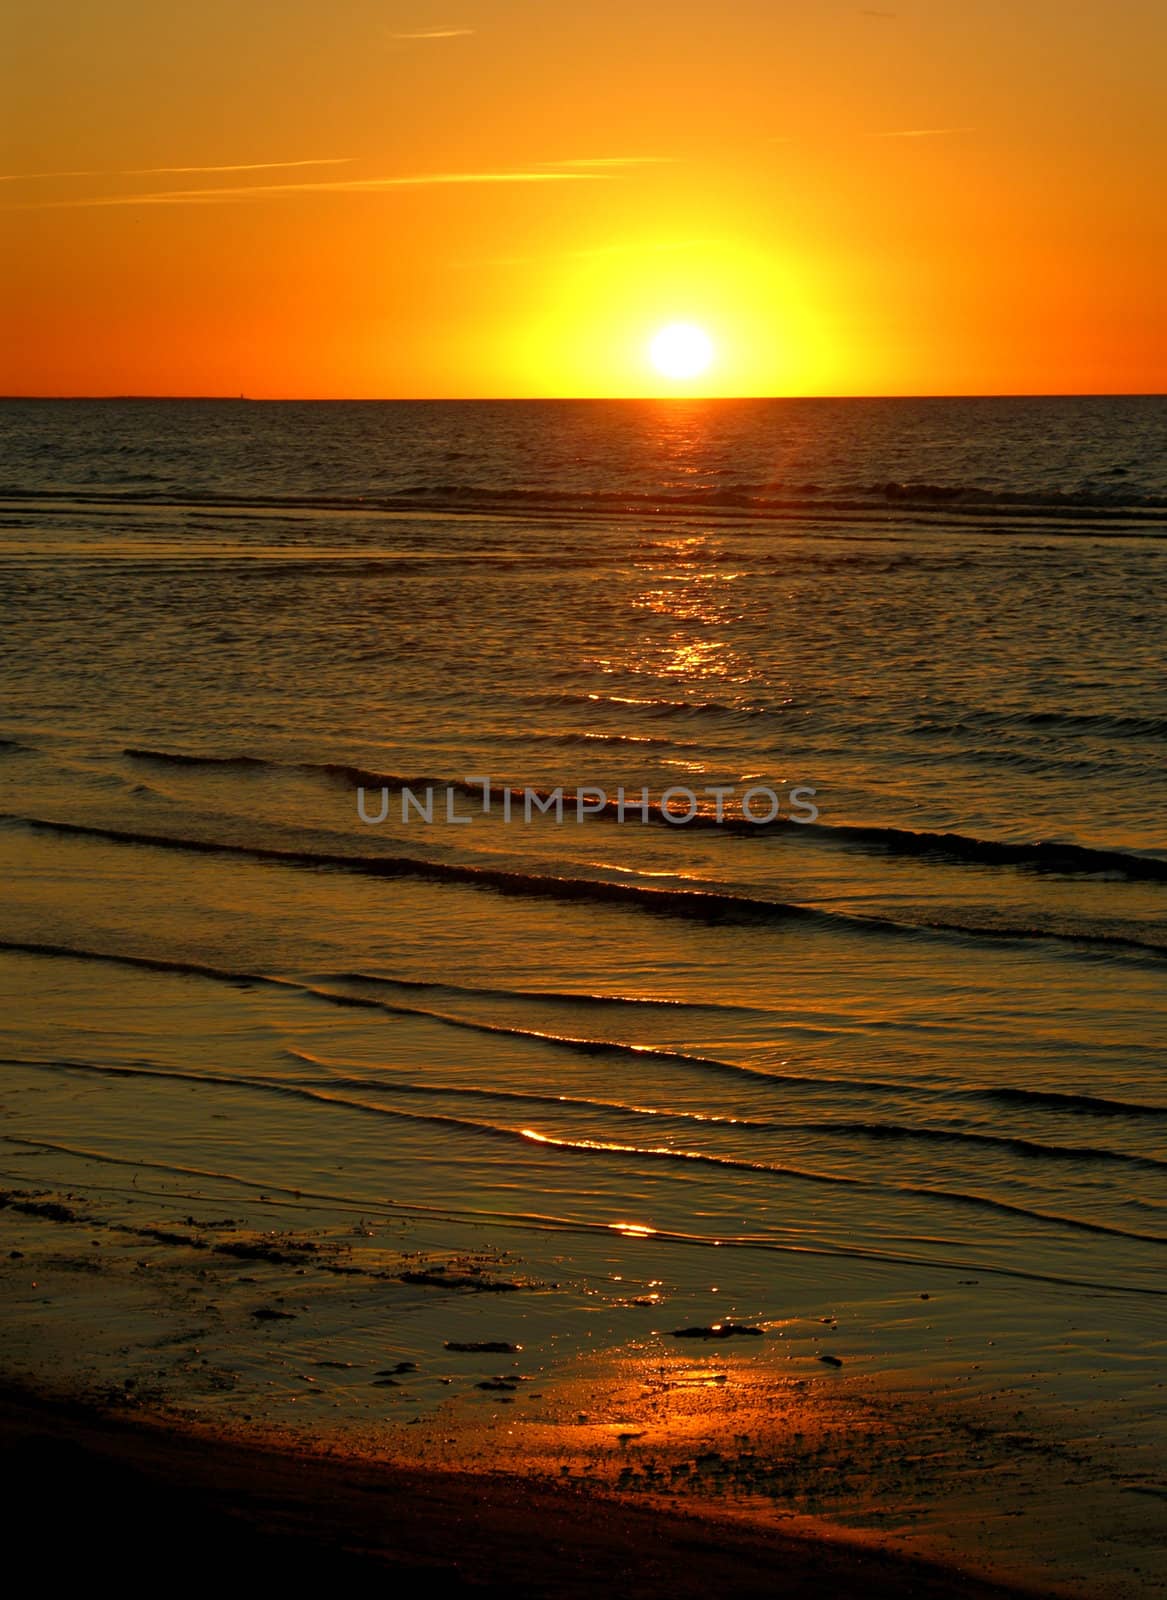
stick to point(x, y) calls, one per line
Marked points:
point(903, 1038)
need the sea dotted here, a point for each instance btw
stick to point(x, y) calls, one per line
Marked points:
point(694, 864)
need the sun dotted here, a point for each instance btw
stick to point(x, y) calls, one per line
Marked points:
point(681, 350)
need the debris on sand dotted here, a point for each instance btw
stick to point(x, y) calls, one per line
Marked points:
point(53, 1210)
point(718, 1330)
point(290, 1253)
point(483, 1347)
point(831, 1361)
point(270, 1314)
point(439, 1278)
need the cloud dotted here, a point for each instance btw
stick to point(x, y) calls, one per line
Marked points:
point(180, 197)
point(246, 166)
point(158, 172)
point(612, 161)
point(918, 133)
point(436, 33)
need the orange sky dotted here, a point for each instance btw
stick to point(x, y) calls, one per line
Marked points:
point(504, 197)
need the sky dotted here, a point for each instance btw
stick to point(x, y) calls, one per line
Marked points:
point(399, 198)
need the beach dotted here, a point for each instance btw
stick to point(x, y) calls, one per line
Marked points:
point(210, 1359)
point(591, 966)
point(136, 1491)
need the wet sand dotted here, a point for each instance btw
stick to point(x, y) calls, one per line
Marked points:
point(250, 1361)
point(93, 1492)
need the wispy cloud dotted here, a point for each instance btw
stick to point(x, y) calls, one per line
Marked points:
point(918, 133)
point(181, 197)
point(436, 33)
point(159, 172)
point(244, 166)
point(611, 161)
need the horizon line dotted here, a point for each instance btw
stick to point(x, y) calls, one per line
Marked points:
point(556, 399)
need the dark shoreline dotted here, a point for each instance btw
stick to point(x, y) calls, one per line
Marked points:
point(92, 1491)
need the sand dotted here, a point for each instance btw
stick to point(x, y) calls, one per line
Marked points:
point(92, 1493)
point(237, 1378)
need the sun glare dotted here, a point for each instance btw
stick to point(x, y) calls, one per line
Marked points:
point(681, 350)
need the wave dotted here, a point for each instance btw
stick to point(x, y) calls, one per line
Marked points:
point(745, 499)
point(1029, 1148)
point(641, 741)
point(1111, 724)
point(568, 997)
point(713, 906)
point(1042, 855)
point(591, 1147)
point(544, 1222)
point(662, 706)
point(1056, 1100)
point(1034, 1099)
point(699, 905)
point(335, 997)
point(180, 758)
point(954, 1196)
point(827, 1127)
point(770, 496)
